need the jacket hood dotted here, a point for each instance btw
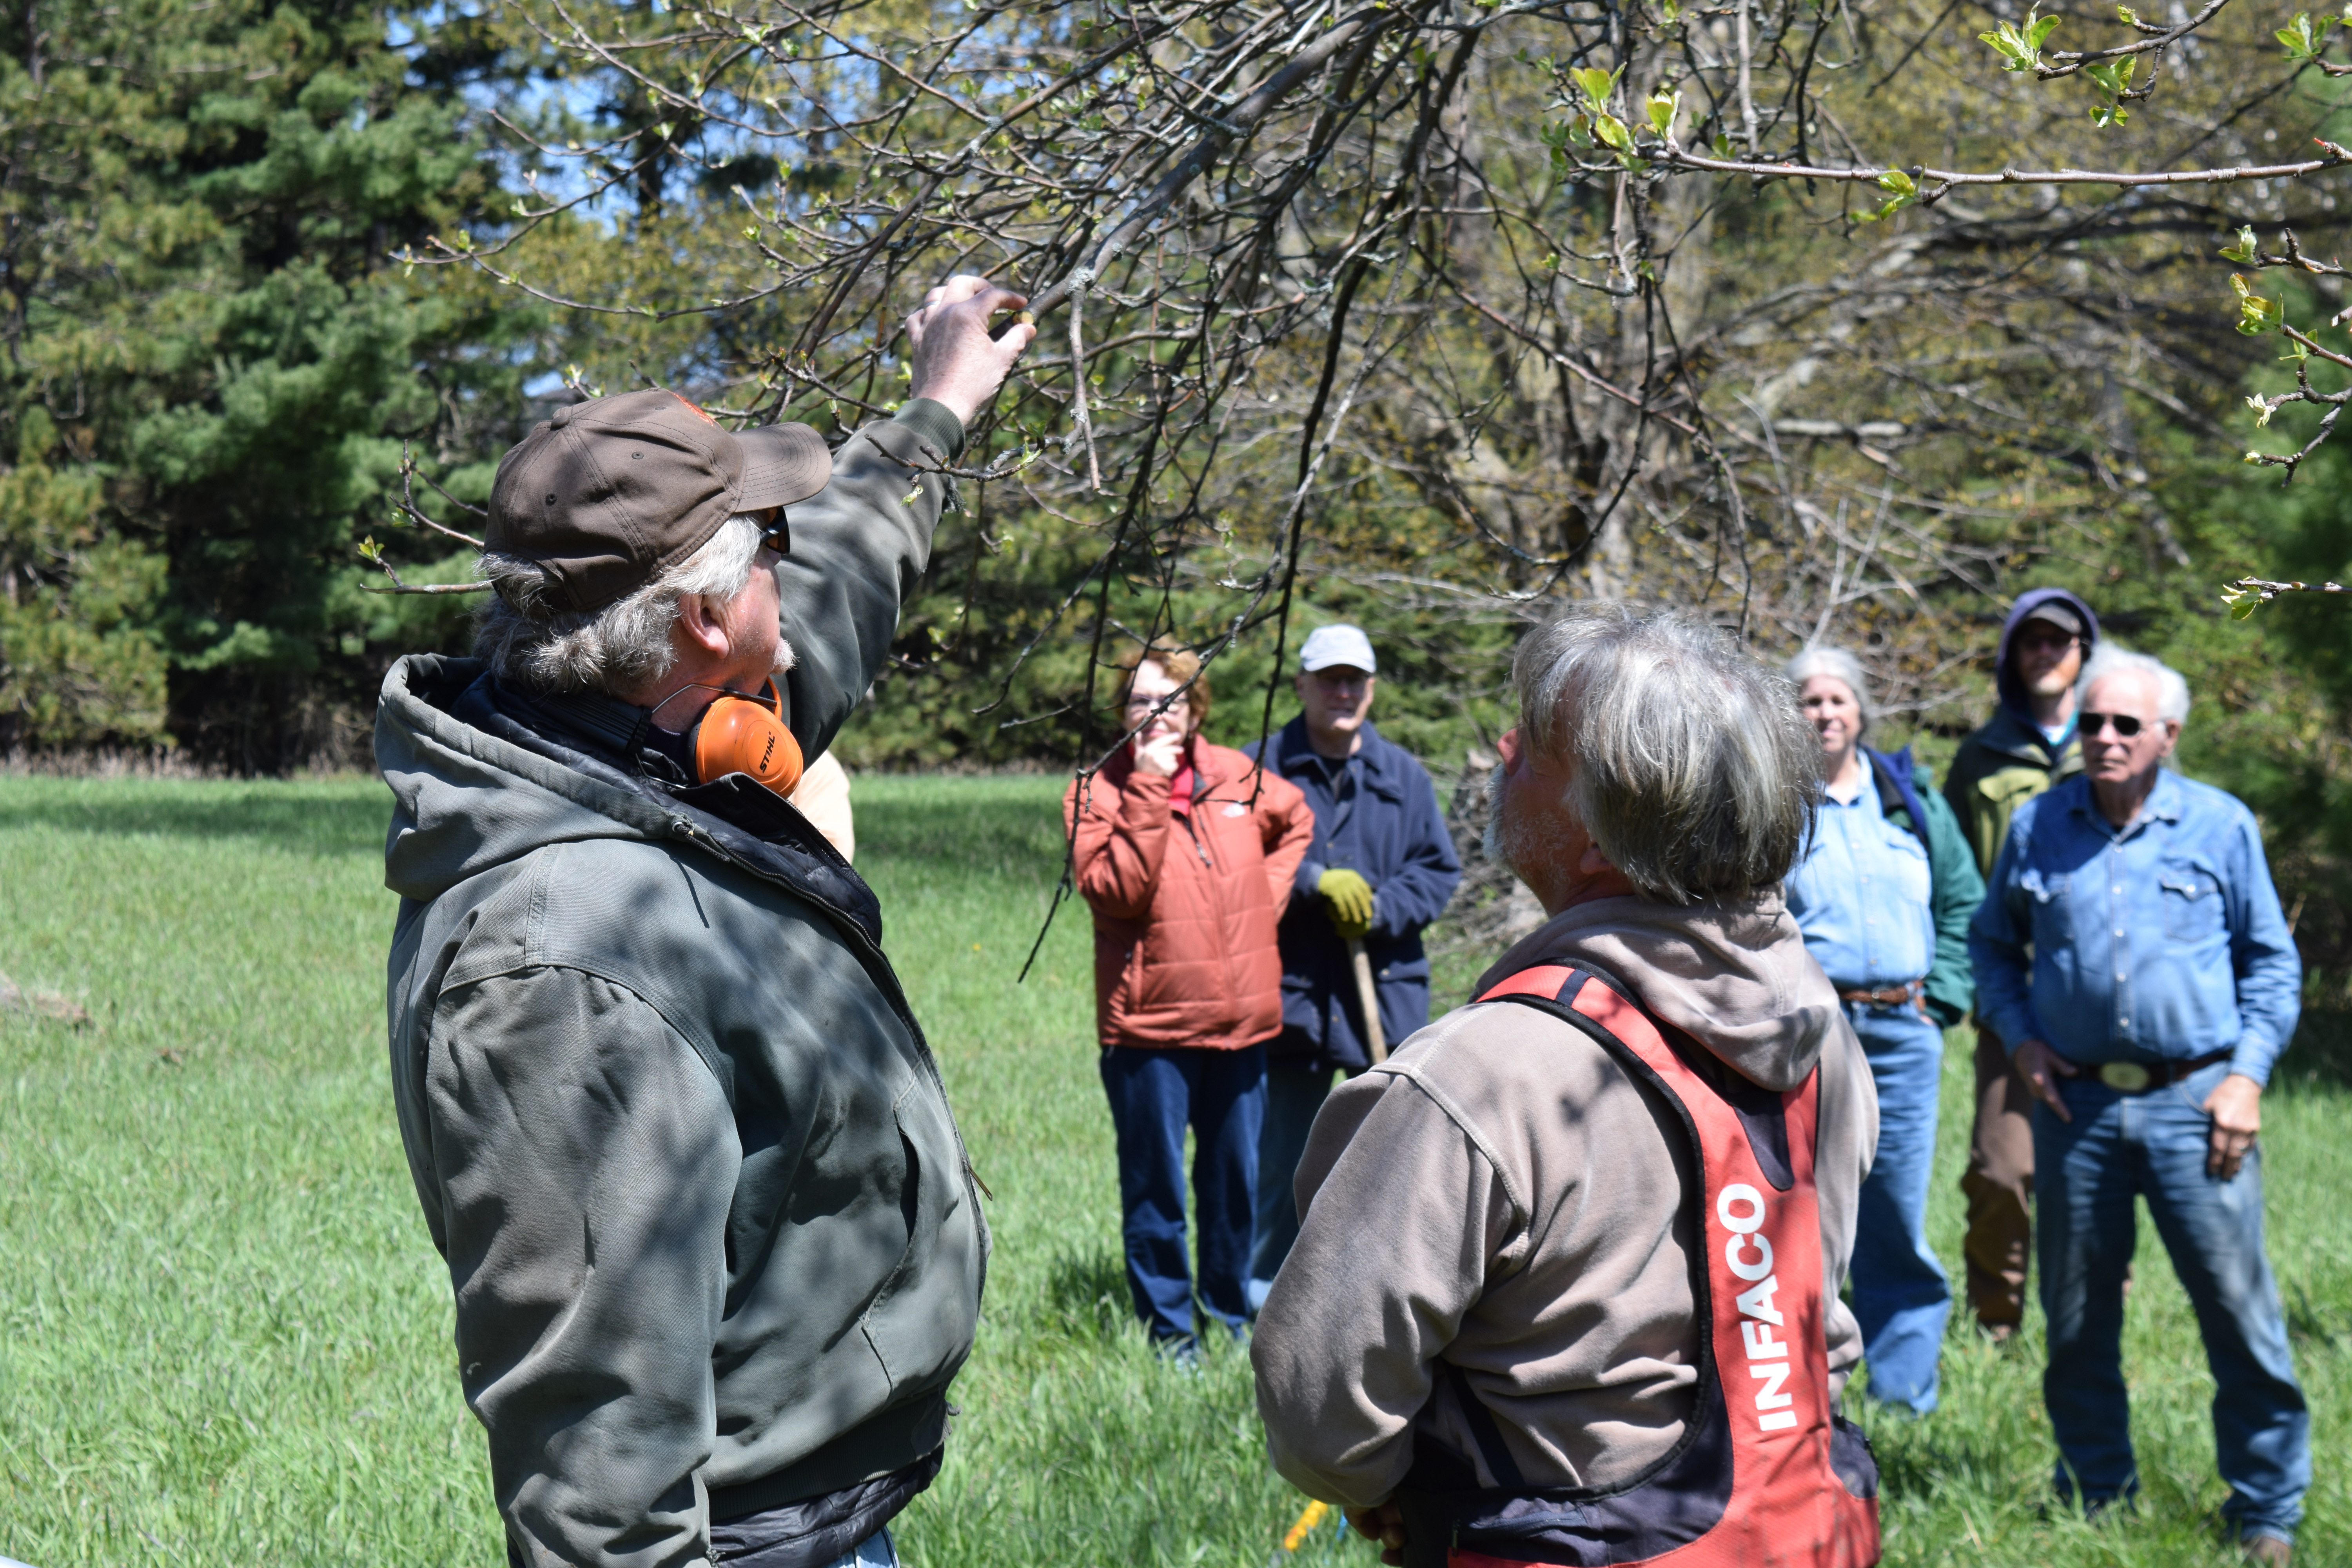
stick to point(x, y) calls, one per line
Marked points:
point(473, 789)
point(464, 800)
point(1734, 976)
point(2005, 676)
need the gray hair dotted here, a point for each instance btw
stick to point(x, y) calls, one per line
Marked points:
point(1838, 665)
point(2107, 658)
point(613, 650)
point(1689, 764)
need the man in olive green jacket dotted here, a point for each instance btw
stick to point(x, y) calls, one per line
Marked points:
point(715, 1245)
point(2029, 745)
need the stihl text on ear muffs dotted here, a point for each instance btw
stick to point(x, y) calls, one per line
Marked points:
point(741, 734)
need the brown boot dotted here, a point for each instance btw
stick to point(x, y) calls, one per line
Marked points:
point(2267, 1550)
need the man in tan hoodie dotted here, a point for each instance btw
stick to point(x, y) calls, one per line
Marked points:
point(1537, 1302)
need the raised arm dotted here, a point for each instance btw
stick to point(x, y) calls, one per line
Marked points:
point(859, 544)
point(1120, 839)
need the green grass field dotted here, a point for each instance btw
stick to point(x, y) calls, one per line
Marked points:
point(224, 1337)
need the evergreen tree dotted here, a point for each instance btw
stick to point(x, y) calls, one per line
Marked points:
point(211, 368)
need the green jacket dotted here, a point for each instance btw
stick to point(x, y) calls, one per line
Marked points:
point(1997, 770)
point(714, 1241)
point(1954, 888)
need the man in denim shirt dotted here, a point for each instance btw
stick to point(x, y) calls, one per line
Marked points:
point(2132, 953)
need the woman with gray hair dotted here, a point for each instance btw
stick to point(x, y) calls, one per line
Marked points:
point(1883, 892)
point(1571, 1326)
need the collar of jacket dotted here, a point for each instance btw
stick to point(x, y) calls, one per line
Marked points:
point(1294, 753)
point(735, 819)
point(2163, 802)
point(1214, 767)
point(1897, 784)
point(2013, 736)
point(609, 722)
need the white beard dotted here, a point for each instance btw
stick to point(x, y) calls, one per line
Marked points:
point(1530, 849)
point(786, 657)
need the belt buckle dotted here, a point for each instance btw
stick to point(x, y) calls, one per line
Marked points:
point(2128, 1077)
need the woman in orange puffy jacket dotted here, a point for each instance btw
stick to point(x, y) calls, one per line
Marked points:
point(1185, 853)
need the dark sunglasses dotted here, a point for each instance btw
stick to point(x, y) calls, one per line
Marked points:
point(778, 536)
point(2097, 725)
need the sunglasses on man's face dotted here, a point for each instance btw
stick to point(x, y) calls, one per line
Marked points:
point(778, 535)
point(2125, 724)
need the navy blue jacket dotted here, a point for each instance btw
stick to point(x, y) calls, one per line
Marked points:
point(1377, 814)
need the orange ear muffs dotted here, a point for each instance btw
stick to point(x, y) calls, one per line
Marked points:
point(747, 735)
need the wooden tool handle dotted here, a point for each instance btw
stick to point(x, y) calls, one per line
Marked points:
point(1369, 998)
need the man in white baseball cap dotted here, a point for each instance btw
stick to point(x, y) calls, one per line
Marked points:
point(1382, 867)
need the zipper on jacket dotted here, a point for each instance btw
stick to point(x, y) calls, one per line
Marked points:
point(1198, 847)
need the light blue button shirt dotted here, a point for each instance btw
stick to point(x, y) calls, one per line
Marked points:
point(2163, 938)
point(1859, 895)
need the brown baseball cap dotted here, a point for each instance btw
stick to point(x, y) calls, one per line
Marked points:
point(609, 493)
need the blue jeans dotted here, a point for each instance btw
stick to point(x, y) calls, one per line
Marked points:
point(1153, 1095)
point(1293, 1096)
point(1901, 1293)
point(875, 1552)
point(2086, 1172)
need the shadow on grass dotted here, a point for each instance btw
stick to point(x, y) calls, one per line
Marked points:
point(318, 819)
point(1920, 1457)
point(2317, 1319)
point(963, 824)
point(1086, 1296)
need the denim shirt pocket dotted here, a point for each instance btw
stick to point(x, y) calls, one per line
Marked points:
point(2192, 895)
point(2045, 909)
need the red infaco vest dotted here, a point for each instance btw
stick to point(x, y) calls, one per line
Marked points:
point(1766, 1475)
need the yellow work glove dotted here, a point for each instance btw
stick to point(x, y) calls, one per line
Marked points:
point(1348, 899)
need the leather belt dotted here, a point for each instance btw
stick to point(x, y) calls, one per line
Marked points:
point(2138, 1078)
point(1888, 996)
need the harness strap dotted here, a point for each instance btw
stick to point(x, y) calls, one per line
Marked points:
point(1483, 1431)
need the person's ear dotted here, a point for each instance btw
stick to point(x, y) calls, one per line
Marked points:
point(1299, 684)
point(1593, 862)
point(700, 626)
